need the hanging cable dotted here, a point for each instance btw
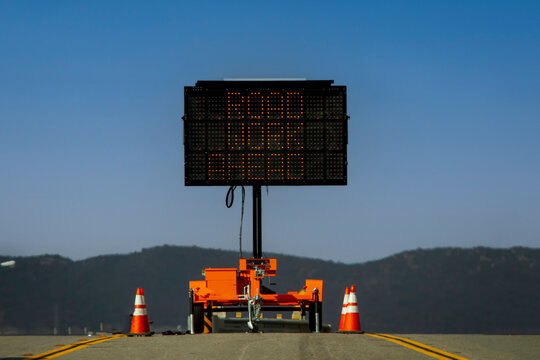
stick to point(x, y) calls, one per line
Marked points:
point(229, 200)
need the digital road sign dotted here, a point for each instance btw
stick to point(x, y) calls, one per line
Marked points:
point(286, 132)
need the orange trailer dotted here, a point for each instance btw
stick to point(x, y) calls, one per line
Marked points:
point(241, 289)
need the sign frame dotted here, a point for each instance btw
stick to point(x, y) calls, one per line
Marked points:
point(316, 154)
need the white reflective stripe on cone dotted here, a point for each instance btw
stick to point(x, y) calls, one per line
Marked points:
point(352, 299)
point(345, 304)
point(352, 309)
point(140, 312)
point(139, 300)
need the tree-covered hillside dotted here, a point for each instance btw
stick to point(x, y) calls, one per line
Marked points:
point(445, 290)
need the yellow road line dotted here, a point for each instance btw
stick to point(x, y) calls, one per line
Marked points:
point(73, 347)
point(422, 348)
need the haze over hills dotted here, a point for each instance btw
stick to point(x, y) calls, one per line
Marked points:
point(444, 290)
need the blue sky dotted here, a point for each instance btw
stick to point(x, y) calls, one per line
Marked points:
point(444, 145)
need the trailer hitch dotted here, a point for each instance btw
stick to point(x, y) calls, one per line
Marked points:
point(254, 308)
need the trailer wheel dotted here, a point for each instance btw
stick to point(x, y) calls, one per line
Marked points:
point(312, 315)
point(198, 318)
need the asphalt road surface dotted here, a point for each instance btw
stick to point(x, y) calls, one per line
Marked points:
point(273, 346)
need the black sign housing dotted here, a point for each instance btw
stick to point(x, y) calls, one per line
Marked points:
point(260, 132)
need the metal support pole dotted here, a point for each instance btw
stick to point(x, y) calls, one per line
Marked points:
point(317, 327)
point(257, 222)
point(191, 325)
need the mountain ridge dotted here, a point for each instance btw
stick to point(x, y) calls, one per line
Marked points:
point(444, 290)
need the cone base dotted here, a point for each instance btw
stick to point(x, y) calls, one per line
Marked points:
point(351, 332)
point(141, 334)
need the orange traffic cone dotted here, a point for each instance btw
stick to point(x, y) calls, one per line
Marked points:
point(344, 310)
point(352, 317)
point(139, 323)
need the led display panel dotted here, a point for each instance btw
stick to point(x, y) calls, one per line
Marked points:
point(265, 133)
